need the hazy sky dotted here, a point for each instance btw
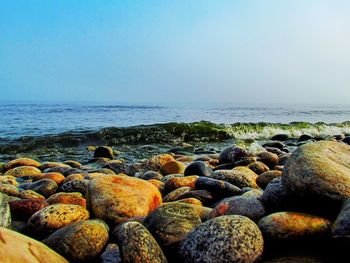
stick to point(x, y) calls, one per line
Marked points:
point(169, 51)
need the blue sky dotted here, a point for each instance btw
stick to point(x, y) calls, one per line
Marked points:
point(175, 51)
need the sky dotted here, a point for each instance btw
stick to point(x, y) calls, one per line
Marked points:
point(247, 51)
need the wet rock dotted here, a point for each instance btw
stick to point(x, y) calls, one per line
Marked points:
point(45, 187)
point(9, 189)
point(22, 162)
point(173, 167)
point(319, 170)
point(156, 162)
point(151, 175)
point(79, 186)
point(23, 171)
point(258, 167)
point(292, 225)
point(268, 158)
point(137, 244)
point(111, 254)
point(275, 197)
point(232, 154)
point(229, 238)
point(30, 194)
point(73, 164)
point(104, 151)
point(280, 137)
point(24, 209)
point(347, 140)
point(56, 177)
point(56, 216)
point(274, 144)
point(218, 188)
point(178, 182)
point(176, 194)
point(80, 241)
point(190, 200)
point(341, 227)
point(283, 158)
point(8, 179)
point(74, 198)
point(265, 178)
point(15, 247)
point(198, 168)
point(203, 195)
point(72, 177)
point(118, 198)
point(305, 137)
point(169, 176)
point(250, 207)
point(5, 213)
point(159, 184)
point(239, 176)
point(245, 161)
point(170, 223)
point(49, 165)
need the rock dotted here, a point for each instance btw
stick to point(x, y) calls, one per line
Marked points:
point(268, 158)
point(156, 162)
point(190, 200)
point(80, 241)
point(8, 179)
point(280, 137)
point(319, 170)
point(341, 227)
point(176, 194)
point(283, 158)
point(177, 182)
point(170, 223)
point(45, 187)
point(249, 207)
point(159, 184)
point(23, 171)
point(274, 197)
point(265, 178)
point(15, 247)
point(30, 194)
point(75, 186)
point(56, 177)
point(240, 176)
point(48, 165)
point(72, 177)
point(118, 198)
point(258, 167)
point(111, 254)
point(229, 238)
point(305, 137)
point(151, 175)
point(296, 259)
point(232, 154)
point(173, 167)
point(347, 140)
point(198, 168)
point(56, 216)
point(292, 225)
point(274, 144)
point(21, 162)
point(136, 244)
point(218, 188)
point(169, 176)
point(73, 163)
point(24, 209)
point(5, 213)
point(203, 195)
point(9, 189)
point(104, 152)
point(74, 198)
point(245, 161)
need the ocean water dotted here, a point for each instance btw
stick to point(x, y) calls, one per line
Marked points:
point(38, 119)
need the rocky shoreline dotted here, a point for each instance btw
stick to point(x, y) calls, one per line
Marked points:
point(275, 205)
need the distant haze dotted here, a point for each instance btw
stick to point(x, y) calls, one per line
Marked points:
point(268, 51)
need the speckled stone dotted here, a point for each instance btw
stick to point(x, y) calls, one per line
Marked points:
point(75, 186)
point(56, 216)
point(229, 238)
point(274, 197)
point(240, 176)
point(45, 187)
point(137, 244)
point(30, 194)
point(15, 247)
point(292, 225)
point(156, 162)
point(319, 169)
point(80, 241)
point(170, 223)
point(176, 194)
point(177, 182)
point(8, 179)
point(232, 154)
point(58, 178)
point(9, 189)
point(74, 198)
point(21, 162)
point(5, 213)
point(23, 171)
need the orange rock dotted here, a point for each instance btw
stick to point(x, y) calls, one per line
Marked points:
point(72, 177)
point(58, 178)
point(157, 183)
point(15, 247)
point(21, 162)
point(177, 182)
point(156, 162)
point(67, 198)
point(23, 171)
point(173, 167)
point(117, 198)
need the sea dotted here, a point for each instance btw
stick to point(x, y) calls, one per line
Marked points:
point(29, 127)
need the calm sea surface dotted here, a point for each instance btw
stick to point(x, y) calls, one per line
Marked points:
point(17, 120)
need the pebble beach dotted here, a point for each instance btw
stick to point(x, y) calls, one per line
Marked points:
point(273, 205)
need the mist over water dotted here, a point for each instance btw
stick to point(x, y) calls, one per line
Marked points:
point(36, 119)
